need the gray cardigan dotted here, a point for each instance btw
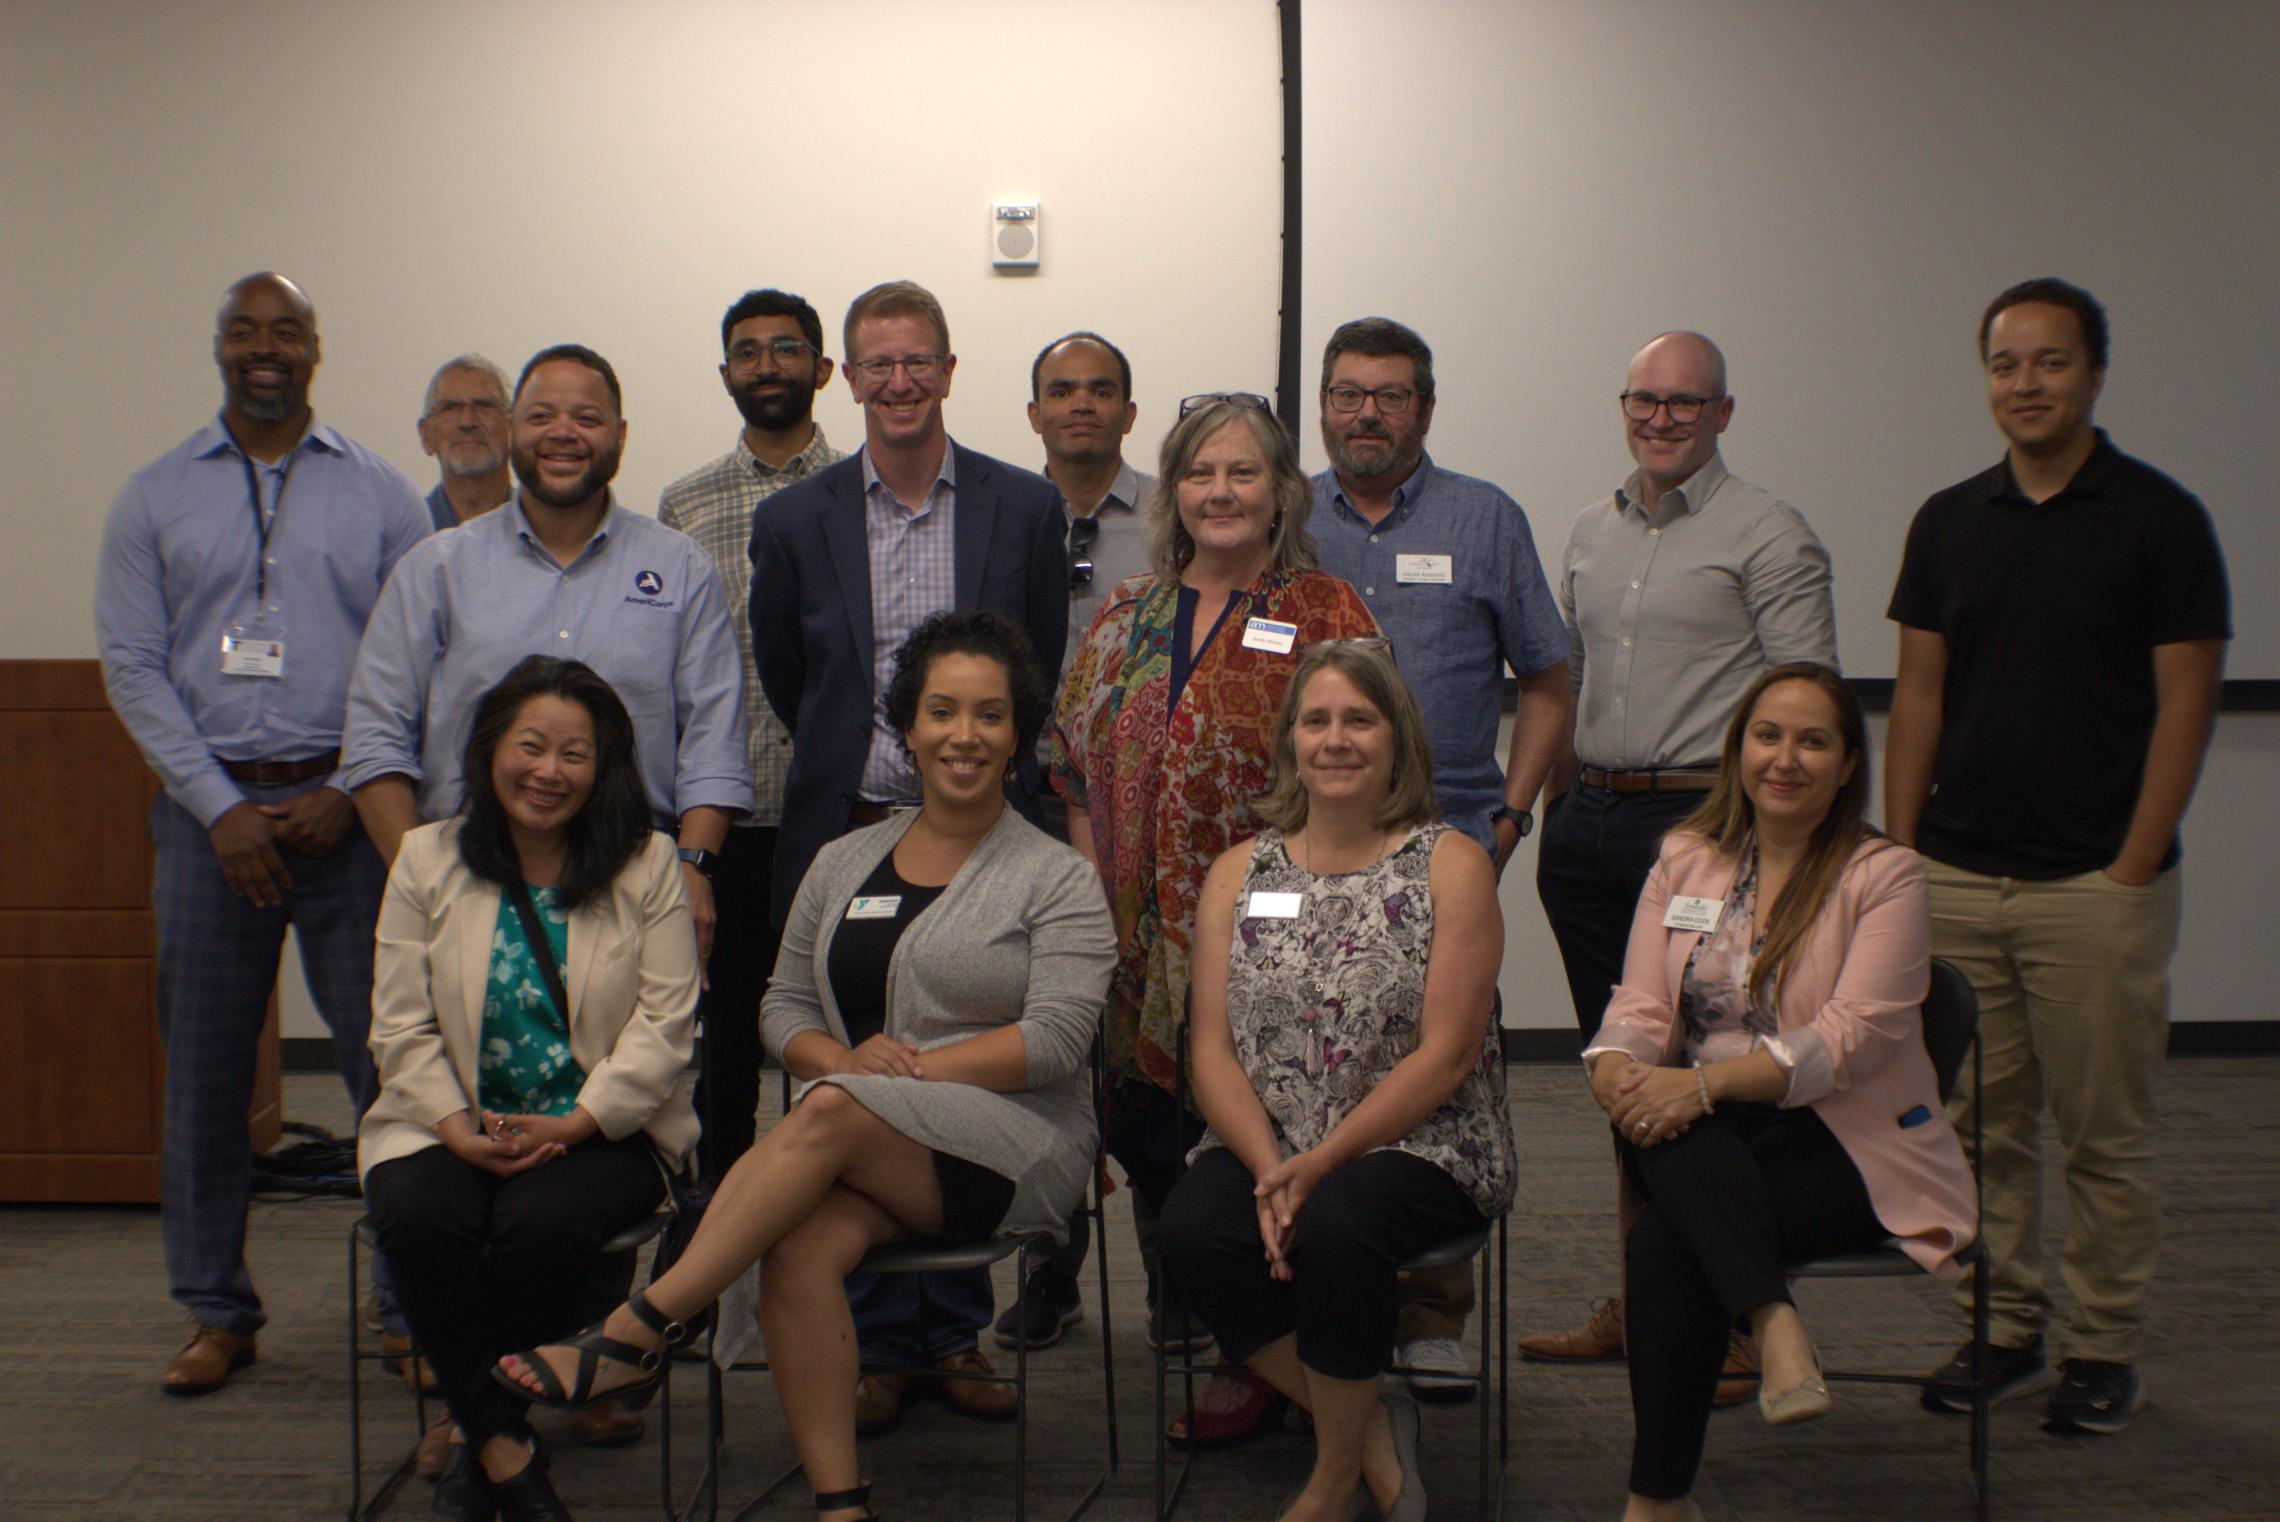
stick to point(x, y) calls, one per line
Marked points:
point(1023, 935)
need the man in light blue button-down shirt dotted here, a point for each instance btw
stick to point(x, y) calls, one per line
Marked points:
point(237, 573)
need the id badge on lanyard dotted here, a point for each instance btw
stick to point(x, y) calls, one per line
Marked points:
point(253, 643)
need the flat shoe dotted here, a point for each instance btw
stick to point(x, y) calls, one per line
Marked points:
point(1401, 1410)
point(1801, 1402)
point(461, 1492)
point(529, 1496)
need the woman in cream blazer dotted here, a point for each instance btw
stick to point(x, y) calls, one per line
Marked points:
point(1763, 1066)
point(509, 1142)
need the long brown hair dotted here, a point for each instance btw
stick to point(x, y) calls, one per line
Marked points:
point(1727, 820)
point(1368, 664)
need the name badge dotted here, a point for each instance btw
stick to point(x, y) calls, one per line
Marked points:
point(1274, 906)
point(253, 657)
point(1689, 913)
point(1426, 570)
point(875, 906)
point(1266, 634)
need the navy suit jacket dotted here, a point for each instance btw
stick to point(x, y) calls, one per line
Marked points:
point(811, 624)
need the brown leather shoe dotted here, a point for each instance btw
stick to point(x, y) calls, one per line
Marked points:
point(417, 1372)
point(435, 1447)
point(206, 1361)
point(969, 1396)
point(606, 1424)
point(879, 1402)
point(1738, 1381)
point(1598, 1340)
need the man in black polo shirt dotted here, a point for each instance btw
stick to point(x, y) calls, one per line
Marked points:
point(2063, 620)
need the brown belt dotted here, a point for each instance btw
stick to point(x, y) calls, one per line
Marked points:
point(282, 773)
point(1673, 779)
point(863, 811)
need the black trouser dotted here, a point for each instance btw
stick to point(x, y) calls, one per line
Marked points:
point(745, 936)
point(1728, 1202)
point(1591, 865)
point(1147, 1137)
point(1345, 1251)
point(486, 1265)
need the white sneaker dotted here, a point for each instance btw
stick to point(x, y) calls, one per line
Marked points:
point(1441, 1373)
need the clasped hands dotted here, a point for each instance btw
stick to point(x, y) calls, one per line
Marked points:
point(1647, 1105)
point(511, 1144)
point(1279, 1193)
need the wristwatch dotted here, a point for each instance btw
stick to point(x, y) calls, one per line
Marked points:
point(705, 861)
point(1522, 820)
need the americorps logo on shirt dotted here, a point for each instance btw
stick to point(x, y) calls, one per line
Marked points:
point(646, 586)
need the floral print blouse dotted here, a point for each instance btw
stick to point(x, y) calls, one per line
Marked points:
point(1714, 1001)
point(526, 1066)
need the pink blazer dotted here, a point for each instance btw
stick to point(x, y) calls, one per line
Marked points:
point(1851, 1015)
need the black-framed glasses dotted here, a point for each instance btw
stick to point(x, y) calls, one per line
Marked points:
point(745, 354)
point(1393, 401)
point(1082, 533)
point(917, 366)
point(1641, 406)
point(1250, 399)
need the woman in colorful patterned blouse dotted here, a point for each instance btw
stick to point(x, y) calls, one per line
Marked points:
point(1346, 966)
point(1161, 744)
point(534, 1002)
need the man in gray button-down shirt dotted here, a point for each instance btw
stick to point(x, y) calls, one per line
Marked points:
point(1677, 591)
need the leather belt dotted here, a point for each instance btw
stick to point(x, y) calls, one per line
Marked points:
point(1671, 779)
point(282, 773)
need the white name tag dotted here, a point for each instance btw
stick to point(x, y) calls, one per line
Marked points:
point(1266, 634)
point(876, 906)
point(1430, 570)
point(1688, 913)
point(253, 657)
point(1275, 906)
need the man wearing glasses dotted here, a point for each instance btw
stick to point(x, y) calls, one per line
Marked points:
point(844, 566)
point(773, 368)
point(1677, 591)
point(1448, 565)
point(463, 426)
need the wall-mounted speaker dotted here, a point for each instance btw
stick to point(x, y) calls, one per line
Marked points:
point(1013, 235)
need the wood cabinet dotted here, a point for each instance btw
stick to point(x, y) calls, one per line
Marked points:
point(81, 1071)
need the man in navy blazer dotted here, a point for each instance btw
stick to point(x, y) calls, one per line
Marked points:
point(846, 563)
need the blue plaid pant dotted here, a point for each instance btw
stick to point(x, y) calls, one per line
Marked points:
point(217, 962)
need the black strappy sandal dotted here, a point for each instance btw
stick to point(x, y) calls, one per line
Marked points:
point(593, 1346)
point(835, 1499)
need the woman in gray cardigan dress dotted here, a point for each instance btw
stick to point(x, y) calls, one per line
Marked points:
point(940, 983)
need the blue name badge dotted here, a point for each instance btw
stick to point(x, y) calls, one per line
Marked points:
point(1915, 1118)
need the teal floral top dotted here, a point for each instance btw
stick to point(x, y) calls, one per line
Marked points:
point(527, 1068)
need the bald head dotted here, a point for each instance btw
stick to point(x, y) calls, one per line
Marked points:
point(1679, 381)
point(265, 345)
point(1691, 348)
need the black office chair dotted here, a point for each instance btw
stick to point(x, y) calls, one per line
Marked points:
point(1951, 1028)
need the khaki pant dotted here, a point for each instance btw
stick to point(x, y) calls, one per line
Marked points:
point(1434, 1302)
point(2073, 982)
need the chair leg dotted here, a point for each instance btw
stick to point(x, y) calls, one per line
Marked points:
point(355, 1409)
point(1979, 1357)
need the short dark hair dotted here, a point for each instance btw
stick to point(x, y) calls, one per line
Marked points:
point(1380, 338)
point(2052, 291)
point(576, 354)
point(972, 631)
point(615, 823)
point(1123, 365)
point(770, 302)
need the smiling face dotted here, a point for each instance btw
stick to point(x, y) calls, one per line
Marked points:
point(1793, 758)
point(772, 391)
point(1668, 451)
point(466, 430)
point(1081, 411)
point(543, 769)
point(1343, 744)
point(900, 410)
point(1226, 499)
point(963, 735)
point(265, 345)
point(2040, 385)
point(1371, 444)
point(568, 437)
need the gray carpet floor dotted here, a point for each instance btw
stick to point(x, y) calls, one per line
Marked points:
point(86, 1434)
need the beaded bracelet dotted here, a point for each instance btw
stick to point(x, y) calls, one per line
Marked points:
point(1702, 1084)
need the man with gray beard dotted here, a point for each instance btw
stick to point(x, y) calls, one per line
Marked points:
point(463, 428)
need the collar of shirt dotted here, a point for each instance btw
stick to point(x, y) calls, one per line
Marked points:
point(1693, 494)
point(215, 437)
point(799, 467)
point(1405, 496)
point(517, 525)
point(1123, 492)
point(2096, 474)
point(946, 476)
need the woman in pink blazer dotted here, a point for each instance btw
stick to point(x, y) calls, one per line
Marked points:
point(1763, 1066)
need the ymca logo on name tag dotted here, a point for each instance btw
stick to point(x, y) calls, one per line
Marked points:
point(1689, 913)
point(874, 906)
point(1274, 906)
point(1266, 634)
point(1425, 570)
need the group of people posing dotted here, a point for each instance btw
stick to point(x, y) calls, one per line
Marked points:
point(926, 774)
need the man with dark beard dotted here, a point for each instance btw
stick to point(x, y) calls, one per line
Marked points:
point(773, 366)
point(237, 573)
point(1448, 565)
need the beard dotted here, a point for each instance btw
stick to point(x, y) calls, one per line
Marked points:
point(1396, 463)
point(771, 414)
point(267, 406)
point(479, 465)
point(600, 471)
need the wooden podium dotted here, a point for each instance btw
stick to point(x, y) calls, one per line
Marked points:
point(81, 1071)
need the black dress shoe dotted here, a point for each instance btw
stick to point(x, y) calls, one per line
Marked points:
point(529, 1496)
point(461, 1492)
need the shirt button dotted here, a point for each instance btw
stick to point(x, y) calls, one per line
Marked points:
point(1373, 538)
point(1626, 643)
point(1369, 591)
point(1651, 533)
point(1634, 586)
point(565, 634)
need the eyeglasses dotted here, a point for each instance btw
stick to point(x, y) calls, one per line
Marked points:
point(1393, 401)
point(1082, 533)
point(481, 408)
point(917, 366)
point(786, 352)
point(1354, 642)
point(1641, 406)
point(1250, 399)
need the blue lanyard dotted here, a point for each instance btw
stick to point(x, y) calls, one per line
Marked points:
point(265, 524)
